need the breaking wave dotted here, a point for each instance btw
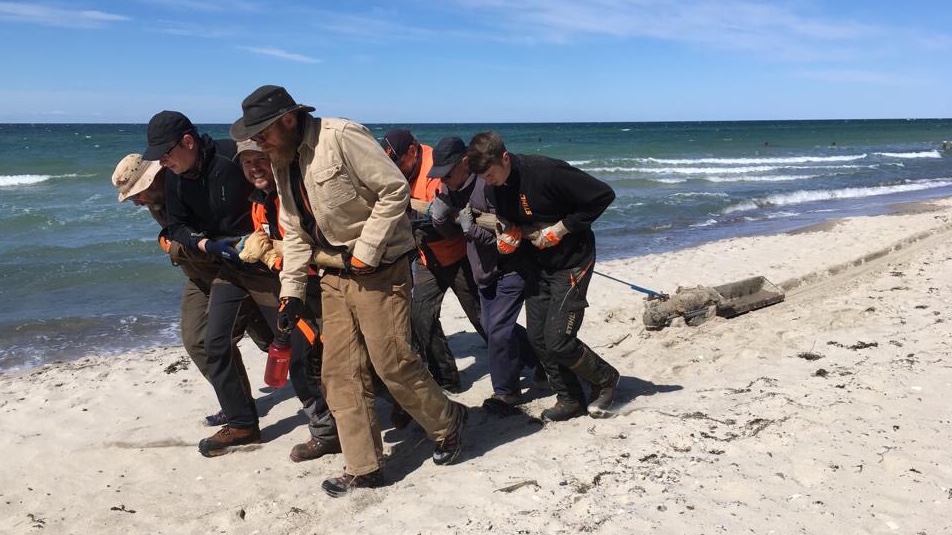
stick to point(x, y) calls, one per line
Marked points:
point(806, 196)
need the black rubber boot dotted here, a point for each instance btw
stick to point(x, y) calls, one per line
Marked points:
point(604, 379)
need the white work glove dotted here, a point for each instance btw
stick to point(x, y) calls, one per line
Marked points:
point(273, 257)
point(550, 236)
point(438, 210)
point(466, 219)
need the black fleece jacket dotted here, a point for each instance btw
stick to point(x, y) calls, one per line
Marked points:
point(541, 191)
point(214, 202)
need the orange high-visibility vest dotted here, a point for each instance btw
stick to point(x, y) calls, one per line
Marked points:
point(447, 251)
point(259, 215)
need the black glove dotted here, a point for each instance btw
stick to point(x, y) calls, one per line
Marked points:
point(289, 311)
point(224, 250)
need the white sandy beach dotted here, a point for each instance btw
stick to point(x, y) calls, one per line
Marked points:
point(824, 414)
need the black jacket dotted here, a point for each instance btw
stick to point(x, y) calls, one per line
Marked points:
point(541, 191)
point(212, 205)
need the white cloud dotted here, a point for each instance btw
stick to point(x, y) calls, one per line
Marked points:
point(281, 54)
point(375, 26)
point(190, 29)
point(208, 6)
point(51, 16)
point(772, 30)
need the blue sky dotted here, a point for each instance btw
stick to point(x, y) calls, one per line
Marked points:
point(450, 61)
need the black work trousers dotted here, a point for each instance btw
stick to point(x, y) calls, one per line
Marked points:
point(555, 306)
point(227, 294)
point(430, 283)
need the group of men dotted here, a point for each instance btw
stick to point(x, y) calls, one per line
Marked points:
point(310, 230)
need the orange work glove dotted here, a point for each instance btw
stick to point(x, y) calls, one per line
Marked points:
point(165, 244)
point(550, 236)
point(507, 239)
point(357, 267)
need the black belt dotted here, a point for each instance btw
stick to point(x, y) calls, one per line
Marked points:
point(344, 272)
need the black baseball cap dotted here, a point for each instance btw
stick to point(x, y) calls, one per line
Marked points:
point(397, 142)
point(446, 154)
point(165, 130)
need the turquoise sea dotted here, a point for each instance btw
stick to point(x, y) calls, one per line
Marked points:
point(81, 274)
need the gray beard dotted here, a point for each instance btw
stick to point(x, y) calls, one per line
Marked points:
point(280, 159)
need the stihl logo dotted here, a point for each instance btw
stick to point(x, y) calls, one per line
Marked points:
point(570, 324)
point(525, 204)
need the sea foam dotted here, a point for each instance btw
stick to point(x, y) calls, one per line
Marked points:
point(806, 196)
point(22, 180)
point(756, 161)
point(927, 154)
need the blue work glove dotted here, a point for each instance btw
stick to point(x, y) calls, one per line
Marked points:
point(289, 311)
point(224, 250)
point(466, 218)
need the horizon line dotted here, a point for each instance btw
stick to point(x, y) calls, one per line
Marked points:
point(525, 122)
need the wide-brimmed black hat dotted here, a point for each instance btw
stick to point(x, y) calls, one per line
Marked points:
point(261, 108)
point(446, 154)
point(166, 129)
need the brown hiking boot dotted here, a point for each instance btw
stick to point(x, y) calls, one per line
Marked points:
point(447, 450)
point(314, 449)
point(226, 438)
point(336, 487)
point(562, 411)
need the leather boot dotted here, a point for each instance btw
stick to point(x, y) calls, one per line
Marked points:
point(314, 449)
point(336, 487)
point(563, 410)
point(603, 377)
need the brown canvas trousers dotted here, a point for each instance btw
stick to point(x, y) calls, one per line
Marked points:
point(366, 329)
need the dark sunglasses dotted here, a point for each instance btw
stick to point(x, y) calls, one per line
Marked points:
point(168, 153)
point(262, 136)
